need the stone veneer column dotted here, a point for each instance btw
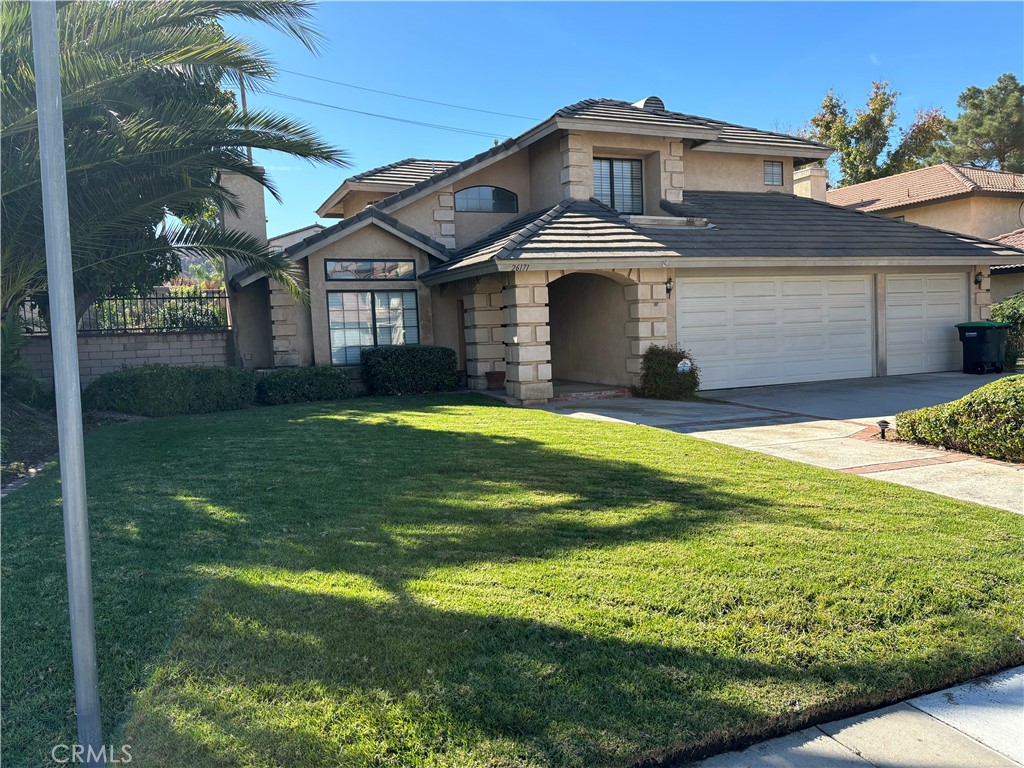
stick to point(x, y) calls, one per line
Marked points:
point(672, 173)
point(284, 319)
point(981, 296)
point(444, 217)
point(485, 350)
point(527, 336)
point(648, 312)
point(577, 176)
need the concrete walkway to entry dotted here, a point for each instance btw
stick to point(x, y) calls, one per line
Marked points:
point(831, 424)
point(976, 725)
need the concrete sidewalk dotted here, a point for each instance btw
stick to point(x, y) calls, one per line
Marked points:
point(831, 425)
point(976, 725)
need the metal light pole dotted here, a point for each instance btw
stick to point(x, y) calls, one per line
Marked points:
point(64, 336)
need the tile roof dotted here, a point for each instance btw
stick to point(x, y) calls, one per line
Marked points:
point(937, 182)
point(742, 225)
point(1014, 239)
point(573, 228)
point(404, 172)
point(728, 133)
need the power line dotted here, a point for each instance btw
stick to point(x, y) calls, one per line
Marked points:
point(411, 98)
point(453, 128)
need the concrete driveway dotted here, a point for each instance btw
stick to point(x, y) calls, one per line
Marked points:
point(832, 425)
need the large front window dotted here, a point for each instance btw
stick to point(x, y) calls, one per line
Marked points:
point(619, 184)
point(359, 319)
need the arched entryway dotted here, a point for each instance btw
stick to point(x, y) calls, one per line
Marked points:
point(587, 320)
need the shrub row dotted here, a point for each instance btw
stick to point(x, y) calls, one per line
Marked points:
point(660, 377)
point(409, 369)
point(987, 422)
point(167, 390)
point(164, 390)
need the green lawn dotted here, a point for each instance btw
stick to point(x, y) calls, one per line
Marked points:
point(448, 582)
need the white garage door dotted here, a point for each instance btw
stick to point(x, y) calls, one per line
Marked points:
point(748, 331)
point(920, 314)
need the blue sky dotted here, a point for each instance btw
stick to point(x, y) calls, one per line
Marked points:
point(767, 65)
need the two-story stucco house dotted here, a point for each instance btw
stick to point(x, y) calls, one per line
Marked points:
point(562, 254)
point(956, 198)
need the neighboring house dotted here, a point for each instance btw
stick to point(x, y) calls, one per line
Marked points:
point(1008, 279)
point(562, 254)
point(956, 198)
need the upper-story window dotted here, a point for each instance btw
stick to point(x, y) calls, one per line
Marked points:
point(367, 269)
point(486, 200)
point(619, 184)
point(773, 173)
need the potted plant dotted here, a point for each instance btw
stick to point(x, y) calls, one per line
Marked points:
point(495, 379)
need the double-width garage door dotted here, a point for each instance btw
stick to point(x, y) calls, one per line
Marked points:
point(751, 331)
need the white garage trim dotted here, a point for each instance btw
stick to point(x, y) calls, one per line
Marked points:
point(754, 330)
point(921, 311)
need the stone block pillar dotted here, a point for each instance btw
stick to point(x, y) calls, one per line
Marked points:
point(485, 349)
point(648, 316)
point(672, 173)
point(981, 295)
point(285, 319)
point(577, 175)
point(444, 219)
point(527, 338)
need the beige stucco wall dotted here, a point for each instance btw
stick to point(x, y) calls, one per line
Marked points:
point(978, 215)
point(1004, 286)
point(249, 309)
point(358, 199)
point(447, 321)
point(370, 242)
point(722, 171)
point(102, 353)
point(545, 159)
point(588, 316)
point(251, 217)
point(513, 174)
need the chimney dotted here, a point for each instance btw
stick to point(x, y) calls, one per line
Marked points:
point(810, 182)
point(252, 216)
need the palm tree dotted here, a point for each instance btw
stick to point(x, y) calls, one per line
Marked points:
point(147, 130)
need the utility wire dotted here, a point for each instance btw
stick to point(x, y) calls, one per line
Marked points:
point(411, 98)
point(387, 117)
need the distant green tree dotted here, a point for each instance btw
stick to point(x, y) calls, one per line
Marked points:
point(862, 140)
point(989, 131)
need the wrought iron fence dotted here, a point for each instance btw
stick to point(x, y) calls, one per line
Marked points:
point(192, 310)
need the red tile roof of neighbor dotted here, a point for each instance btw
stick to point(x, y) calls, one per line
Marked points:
point(925, 185)
point(1014, 239)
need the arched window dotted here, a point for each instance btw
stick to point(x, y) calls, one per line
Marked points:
point(486, 200)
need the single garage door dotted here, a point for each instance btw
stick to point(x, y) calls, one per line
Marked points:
point(920, 314)
point(749, 331)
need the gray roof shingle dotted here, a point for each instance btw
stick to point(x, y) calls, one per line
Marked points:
point(406, 172)
point(742, 225)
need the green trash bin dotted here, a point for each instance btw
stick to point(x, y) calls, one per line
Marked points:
point(984, 346)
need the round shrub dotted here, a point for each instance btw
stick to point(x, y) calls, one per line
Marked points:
point(987, 422)
point(660, 378)
point(302, 385)
point(168, 390)
point(408, 369)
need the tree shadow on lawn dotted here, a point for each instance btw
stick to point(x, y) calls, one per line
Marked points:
point(319, 539)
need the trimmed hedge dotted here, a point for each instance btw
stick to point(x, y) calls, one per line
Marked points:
point(987, 422)
point(1011, 310)
point(660, 379)
point(409, 369)
point(167, 390)
point(302, 385)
